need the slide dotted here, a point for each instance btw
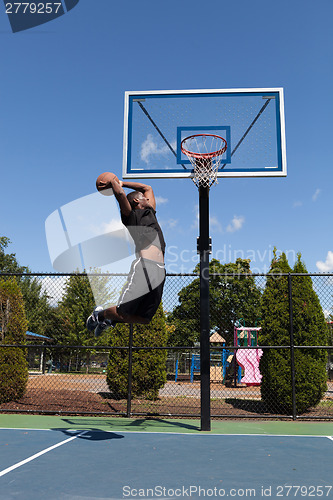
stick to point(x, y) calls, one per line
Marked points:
point(249, 359)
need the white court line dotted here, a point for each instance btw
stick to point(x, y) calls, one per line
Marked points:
point(196, 433)
point(214, 434)
point(33, 457)
point(174, 433)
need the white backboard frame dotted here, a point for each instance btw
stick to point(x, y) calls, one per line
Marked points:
point(137, 95)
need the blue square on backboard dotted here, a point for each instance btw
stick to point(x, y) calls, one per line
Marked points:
point(223, 131)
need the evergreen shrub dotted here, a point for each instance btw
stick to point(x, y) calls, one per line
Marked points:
point(13, 326)
point(148, 365)
point(309, 329)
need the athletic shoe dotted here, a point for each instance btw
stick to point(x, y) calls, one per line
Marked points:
point(106, 323)
point(92, 321)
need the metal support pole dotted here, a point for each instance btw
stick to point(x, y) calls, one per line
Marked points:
point(129, 384)
point(292, 347)
point(204, 307)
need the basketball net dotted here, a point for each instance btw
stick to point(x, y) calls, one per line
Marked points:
point(205, 154)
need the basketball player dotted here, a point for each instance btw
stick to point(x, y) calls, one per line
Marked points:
point(142, 292)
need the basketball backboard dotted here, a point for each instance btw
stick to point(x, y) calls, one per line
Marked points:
point(250, 120)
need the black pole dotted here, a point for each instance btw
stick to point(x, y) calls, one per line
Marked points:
point(292, 347)
point(204, 307)
point(129, 384)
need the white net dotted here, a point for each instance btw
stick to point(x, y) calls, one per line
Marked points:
point(205, 153)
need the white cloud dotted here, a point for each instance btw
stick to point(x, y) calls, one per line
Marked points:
point(316, 194)
point(160, 200)
point(172, 223)
point(113, 226)
point(168, 223)
point(151, 148)
point(215, 223)
point(236, 223)
point(327, 266)
point(297, 204)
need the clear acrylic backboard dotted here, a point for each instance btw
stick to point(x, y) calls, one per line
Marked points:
point(250, 120)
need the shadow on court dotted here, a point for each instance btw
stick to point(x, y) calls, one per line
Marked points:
point(139, 424)
point(90, 435)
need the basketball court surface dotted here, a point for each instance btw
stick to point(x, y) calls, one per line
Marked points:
point(68, 457)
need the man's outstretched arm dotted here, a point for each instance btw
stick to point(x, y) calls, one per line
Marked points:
point(120, 195)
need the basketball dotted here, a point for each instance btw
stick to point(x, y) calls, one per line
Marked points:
point(103, 183)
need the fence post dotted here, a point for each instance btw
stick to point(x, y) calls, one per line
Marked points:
point(129, 385)
point(292, 349)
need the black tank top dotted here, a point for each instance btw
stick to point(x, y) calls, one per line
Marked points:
point(144, 228)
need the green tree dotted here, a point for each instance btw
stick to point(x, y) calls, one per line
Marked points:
point(233, 294)
point(35, 301)
point(36, 304)
point(8, 262)
point(13, 325)
point(74, 308)
point(309, 329)
point(148, 366)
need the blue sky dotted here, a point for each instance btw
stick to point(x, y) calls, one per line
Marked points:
point(62, 97)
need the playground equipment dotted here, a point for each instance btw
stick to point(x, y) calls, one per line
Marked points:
point(195, 365)
point(217, 368)
point(248, 359)
point(220, 361)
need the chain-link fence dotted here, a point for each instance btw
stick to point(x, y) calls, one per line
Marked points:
point(270, 350)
